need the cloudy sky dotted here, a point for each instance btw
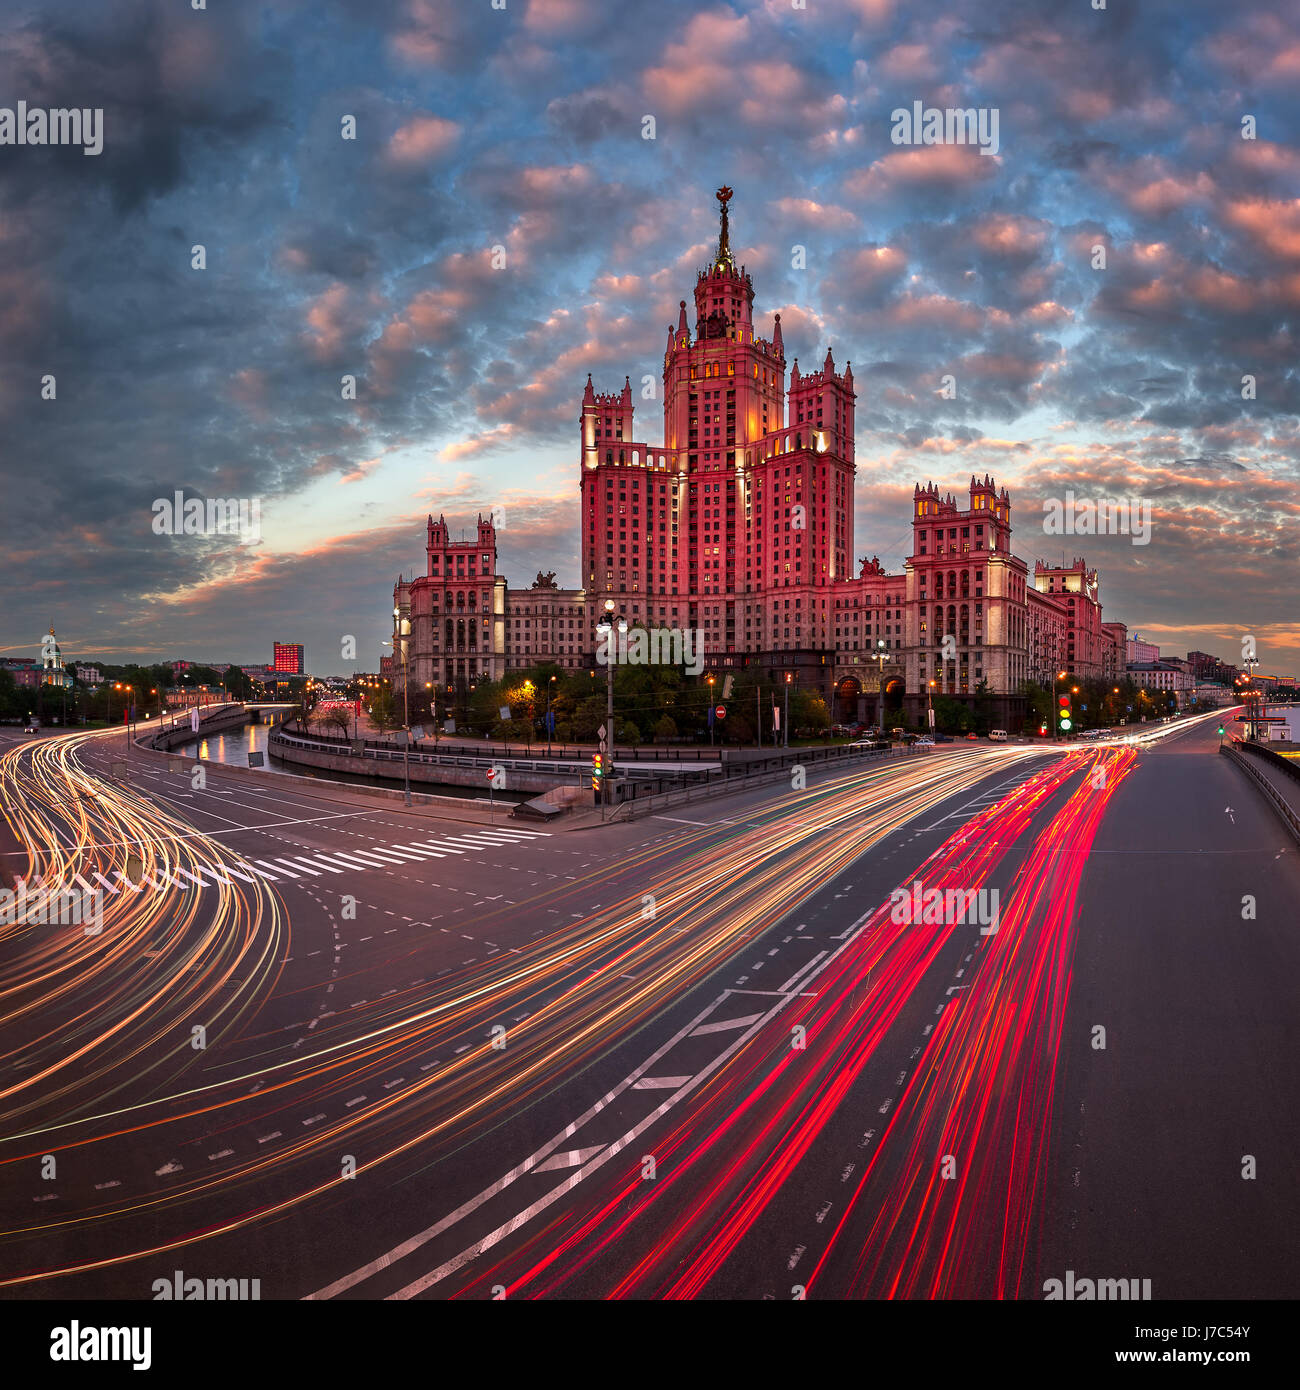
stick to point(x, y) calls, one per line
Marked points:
point(521, 128)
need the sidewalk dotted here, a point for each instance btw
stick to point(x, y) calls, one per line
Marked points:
point(1284, 789)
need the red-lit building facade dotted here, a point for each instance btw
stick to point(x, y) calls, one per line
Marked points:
point(739, 526)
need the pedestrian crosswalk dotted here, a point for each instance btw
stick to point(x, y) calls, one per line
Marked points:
point(337, 861)
point(319, 863)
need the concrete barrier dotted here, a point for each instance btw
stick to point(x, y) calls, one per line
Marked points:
point(1272, 794)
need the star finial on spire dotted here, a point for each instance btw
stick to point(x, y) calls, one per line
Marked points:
point(724, 196)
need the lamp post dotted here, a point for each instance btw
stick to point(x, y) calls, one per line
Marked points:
point(785, 719)
point(606, 627)
point(401, 630)
point(709, 718)
point(929, 705)
point(880, 655)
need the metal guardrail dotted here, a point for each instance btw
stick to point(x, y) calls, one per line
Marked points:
point(476, 762)
point(639, 785)
point(744, 775)
point(1275, 798)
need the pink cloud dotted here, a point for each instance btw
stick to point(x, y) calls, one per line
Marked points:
point(953, 166)
point(422, 139)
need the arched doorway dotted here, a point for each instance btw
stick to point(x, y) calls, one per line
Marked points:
point(848, 696)
point(894, 691)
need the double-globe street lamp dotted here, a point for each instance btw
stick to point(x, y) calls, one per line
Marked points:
point(402, 634)
point(607, 627)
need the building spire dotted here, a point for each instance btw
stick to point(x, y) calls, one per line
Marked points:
point(724, 260)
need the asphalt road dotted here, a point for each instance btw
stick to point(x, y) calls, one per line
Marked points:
point(688, 1057)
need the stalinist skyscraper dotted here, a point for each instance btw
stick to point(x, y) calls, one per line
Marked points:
point(738, 524)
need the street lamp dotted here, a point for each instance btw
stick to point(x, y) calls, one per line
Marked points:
point(929, 705)
point(881, 655)
point(549, 683)
point(401, 630)
point(606, 626)
point(785, 720)
point(709, 717)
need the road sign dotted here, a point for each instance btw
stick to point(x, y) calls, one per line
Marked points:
point(417, 733)
point(504, 713)
point(600, 733)
point(721, 711)
point(491, 773)
point(256, 760)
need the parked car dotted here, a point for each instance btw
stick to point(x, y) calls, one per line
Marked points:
point(839, 731)
point(29, 728)
point(943, 738)
point(998, 735)
point(925, 741)
point(974, 738)
point(897, 733)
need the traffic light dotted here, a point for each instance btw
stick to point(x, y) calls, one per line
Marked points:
point(1063, 714)
point(597, 771)
point(1220, 728)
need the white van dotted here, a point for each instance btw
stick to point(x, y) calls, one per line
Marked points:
point(998, 735)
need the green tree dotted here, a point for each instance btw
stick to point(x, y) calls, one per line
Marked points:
point(665, 728)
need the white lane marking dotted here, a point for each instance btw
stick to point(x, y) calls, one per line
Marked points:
point(280, 870)
point(726, 1024)
point(302, 868)
point(574, 1158)
point(803, 970)
point(375, 861)
point(319, 863)
point(275, 878)
point(337, 859)
point(522, 1218)
point(266, 1138)
point(414, 1242)
point(661, 1083)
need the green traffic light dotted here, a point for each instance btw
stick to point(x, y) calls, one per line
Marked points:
point(1065, 723)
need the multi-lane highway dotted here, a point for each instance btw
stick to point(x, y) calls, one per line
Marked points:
point(944, 1027)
